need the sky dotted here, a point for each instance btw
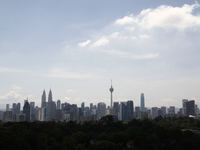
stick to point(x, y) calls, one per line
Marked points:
point(76, 47)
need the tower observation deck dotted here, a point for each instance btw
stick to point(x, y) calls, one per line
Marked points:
point(111, 90)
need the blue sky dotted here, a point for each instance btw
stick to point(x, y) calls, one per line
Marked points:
point(76, 48)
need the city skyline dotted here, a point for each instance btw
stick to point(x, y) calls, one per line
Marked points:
point(76, 47)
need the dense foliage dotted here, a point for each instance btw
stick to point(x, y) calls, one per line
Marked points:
point(160, 133)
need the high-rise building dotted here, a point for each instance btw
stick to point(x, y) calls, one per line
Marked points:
point(164, 110)
point(14, 109)
point(190, 108)
point(8, 115)
point(50, 107)
point(130, 110)
point(154, 112)
point(116, 108)
point(101, 110)
point(137, 112)
point(184, 106)
point(111, 97)
point(43, 99)
point(123, 111)
point(18, 108)
point(142, 104)
point(26, 111)
point(7, 106)
point(58, 104)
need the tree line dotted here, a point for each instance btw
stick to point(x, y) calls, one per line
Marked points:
point(107, 134)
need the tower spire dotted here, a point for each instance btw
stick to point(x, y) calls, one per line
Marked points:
point(111, 90)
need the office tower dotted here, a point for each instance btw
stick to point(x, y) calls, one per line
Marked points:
point(32, 107)
point(154, 112)
point(18, 108)
point(137, 112)
point(196, 110)
point(163, 110)
point(142, 104)
point(116, 108)
point(82, 106)
point(58, 104)
point(129, 110)
point(8, 115)
point(184, 106)
point(190, 106)
point(26, 111)
point(91, 106)
point(7, 106)
point(111, 91)
point(123, 111)
point(144, 114)
point(43, 99)
point(171, 111)
point(101, 110)
point(20, 117)
point(160, 112)
point(14, 108)
point(50, 107)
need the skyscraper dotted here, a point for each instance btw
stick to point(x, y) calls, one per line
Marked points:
point(43, 102)
point(123, 111)
point(142, 105)
point(58, 104)
point(111, 90)
point(27, 111)
point(129, 110)
point(190, 106)
point(50, 107)
point(184, 106)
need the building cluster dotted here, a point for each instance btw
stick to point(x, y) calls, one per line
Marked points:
point(125, 111)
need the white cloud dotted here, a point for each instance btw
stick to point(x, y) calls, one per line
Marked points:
point(101, 42)
point(126, 20)
point(66, 98)
point(130, 55)
point(13, 96)
point(17, 88)
point(145, 36)
point(130, 28)
point(114, 35)
point(165, 17)
point(83, 44)
point(71, 91)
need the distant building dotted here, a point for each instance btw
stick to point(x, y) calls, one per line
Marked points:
point(8, 115)
point(144, 114)
point(142, 104)
point(164, 111)
point(190, 108)
point(43, 99)
point(171, 111)
point(130, 110)
point(116, 108)
point(50, 107)
point(184, 106)
point(20, 117)
point(154, 112)
point(7, 106)
point(58, 104)
point(123, 115)
point(27, 111)
point(137, 112)
point(111, 97)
